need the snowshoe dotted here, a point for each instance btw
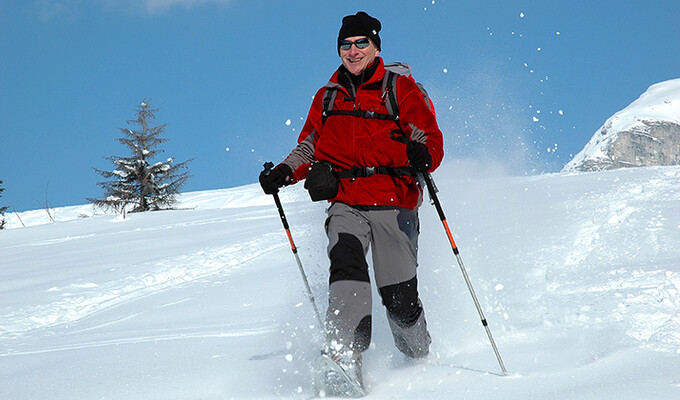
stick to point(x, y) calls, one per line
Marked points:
point(338, 376)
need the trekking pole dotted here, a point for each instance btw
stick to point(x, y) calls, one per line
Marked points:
point(432, 189)
point(267, 169)
point(399, 136)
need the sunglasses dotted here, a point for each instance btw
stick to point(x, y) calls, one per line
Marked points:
point(361, 44)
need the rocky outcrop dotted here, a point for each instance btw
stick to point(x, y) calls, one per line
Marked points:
point(648, 144)
point(646, 133)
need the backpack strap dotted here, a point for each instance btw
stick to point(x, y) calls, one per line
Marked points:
point(329, 97)
point(390, 94)
point(328, 100)
point(389, 85)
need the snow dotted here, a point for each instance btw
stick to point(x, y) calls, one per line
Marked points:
point(660, 102)
point(578, 275)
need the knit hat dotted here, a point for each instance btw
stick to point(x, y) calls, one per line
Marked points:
point(360, 24)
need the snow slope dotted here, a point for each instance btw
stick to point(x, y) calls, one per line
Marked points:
point(660, 102)
point(578, 274)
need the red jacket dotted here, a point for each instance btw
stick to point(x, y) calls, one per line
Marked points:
point(346, 141)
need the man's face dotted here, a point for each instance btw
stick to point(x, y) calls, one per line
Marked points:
point(356, 59)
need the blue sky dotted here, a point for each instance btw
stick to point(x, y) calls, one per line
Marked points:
point(521, 83)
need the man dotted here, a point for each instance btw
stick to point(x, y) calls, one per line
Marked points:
point(349, 136)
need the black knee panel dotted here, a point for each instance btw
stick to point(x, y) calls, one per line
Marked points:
point(362, 335)
point(401, 302)
point(347, 260)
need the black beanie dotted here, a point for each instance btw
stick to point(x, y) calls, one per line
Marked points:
point(360, 24)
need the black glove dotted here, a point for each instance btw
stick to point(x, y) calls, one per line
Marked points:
point(419, 156)
point(272, 180)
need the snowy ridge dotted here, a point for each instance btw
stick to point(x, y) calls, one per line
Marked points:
point(578, 275)
point(660, 102)
point(243, 196)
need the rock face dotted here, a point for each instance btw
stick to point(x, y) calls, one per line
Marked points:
point(645, 133)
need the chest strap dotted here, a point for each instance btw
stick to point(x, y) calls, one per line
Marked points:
point(359, 113)
point(389, 97)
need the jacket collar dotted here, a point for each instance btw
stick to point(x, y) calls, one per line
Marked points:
point(376, 77)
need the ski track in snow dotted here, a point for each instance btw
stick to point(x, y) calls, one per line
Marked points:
point(155, 337)
point(79, 300)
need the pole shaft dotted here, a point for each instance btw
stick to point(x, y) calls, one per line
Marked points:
point(433, 195)
point(284, 221)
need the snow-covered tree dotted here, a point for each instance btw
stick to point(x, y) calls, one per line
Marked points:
point(137, 183)
point(2, 209)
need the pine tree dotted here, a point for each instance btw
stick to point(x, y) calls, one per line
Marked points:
point(137, 183)
point(2, 209)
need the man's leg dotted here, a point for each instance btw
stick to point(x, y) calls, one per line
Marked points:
point(394, 237)
point(348, 319)
point(406, 317)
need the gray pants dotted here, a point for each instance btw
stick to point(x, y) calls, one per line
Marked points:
point(392, 235)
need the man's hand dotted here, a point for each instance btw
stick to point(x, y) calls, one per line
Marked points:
point(419, 156)
point(272, 180)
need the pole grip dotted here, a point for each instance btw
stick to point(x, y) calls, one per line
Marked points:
point(268, 166)
point(432, 190)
